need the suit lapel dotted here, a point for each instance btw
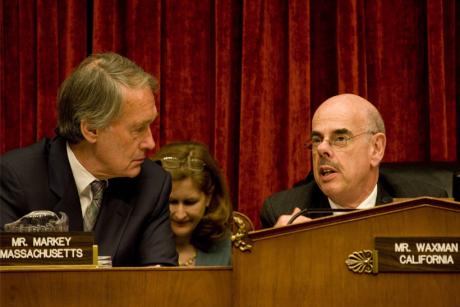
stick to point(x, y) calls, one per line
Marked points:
point(63, 184)
point(319, 201)
point(383, 193)
point(113, 219)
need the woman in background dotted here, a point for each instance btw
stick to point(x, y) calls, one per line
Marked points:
point(200, 207)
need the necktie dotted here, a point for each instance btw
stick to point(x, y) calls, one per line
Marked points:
point(97, 187)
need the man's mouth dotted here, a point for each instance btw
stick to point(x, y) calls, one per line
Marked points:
point(326, 170)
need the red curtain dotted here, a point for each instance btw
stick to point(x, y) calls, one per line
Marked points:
point(41, 41)
point(245, 77)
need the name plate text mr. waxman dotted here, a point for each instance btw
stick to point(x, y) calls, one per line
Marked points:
point(418, 254)
point(46, 248)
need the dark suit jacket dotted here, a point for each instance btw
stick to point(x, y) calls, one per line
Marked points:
point(309, 195)
point(133, 224)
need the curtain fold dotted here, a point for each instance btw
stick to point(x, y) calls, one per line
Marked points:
point(397, 45)
point(442, 102)
point(351, 60)
point(226, 84)
point(42, 41)
point(245, 77)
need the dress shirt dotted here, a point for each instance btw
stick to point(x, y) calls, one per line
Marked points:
point(82, 178)
point(369, 202)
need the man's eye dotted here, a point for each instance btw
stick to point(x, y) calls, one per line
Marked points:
point(173, 201)
point(316, 140)
point(340, 140)
point(141, 129)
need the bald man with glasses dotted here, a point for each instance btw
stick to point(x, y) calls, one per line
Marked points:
point(347, 143)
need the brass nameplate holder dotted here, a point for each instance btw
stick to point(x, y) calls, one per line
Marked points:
point(408, 254)
point(47, 248)
point(240, 239)
point(364, 261)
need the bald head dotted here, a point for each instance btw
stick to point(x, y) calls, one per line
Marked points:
point(348, 142)
point(355, 107)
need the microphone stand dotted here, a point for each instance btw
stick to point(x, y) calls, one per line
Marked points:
point(317, 210)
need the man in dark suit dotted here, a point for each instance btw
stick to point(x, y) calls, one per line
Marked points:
point(105, 108)
point(347, 143)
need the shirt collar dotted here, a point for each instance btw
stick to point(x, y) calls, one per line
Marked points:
point(82, 176)
point(369, 202)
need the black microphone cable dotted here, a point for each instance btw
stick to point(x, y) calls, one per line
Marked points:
point(317, 210)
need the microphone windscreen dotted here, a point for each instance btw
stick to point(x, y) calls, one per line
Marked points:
point(40, 221)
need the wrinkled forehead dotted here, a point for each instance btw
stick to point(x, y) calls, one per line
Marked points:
point(335, 116)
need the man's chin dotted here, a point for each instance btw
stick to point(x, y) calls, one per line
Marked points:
point(133, 172)
point(330, 190)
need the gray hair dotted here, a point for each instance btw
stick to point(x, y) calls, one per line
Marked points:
point(375, 123)
point(93, 92)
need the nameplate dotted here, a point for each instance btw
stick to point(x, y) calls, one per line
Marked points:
point(46, 248)
point(418, 254)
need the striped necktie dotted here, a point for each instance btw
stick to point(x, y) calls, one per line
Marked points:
point(97, 187)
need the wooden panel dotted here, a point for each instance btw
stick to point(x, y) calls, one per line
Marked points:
point(117, 287)
point(304, 265)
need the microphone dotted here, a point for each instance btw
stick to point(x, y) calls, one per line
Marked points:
point(385, 200)
point(318, 210)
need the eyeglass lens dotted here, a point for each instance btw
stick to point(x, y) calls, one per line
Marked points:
point(174, 162)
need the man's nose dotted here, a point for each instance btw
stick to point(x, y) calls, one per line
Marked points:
point(148, 143)
point(324, 148)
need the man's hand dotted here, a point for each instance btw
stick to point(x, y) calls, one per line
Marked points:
point(284, 219)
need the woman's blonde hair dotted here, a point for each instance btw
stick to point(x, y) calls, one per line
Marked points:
point(207, 176)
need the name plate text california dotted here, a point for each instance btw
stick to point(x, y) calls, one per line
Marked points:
point(418, 254)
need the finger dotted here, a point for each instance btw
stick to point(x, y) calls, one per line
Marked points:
point(282, 221)
point(301, 219)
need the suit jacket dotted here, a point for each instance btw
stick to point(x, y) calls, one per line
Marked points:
point(309, 195)
point(133, 224)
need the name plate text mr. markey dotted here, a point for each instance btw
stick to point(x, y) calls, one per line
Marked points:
point(46, 248)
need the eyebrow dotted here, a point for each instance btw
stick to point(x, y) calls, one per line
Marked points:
point(143, 124)
point(342, 131)
point(335, 132)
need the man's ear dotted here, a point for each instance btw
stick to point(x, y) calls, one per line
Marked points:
point(377, 150)
point(89, 133)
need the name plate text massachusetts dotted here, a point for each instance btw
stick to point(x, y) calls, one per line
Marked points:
point(418, 254)
point(46, 248)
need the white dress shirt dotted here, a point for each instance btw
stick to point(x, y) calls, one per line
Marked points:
point(369, 202)
point(83, 180)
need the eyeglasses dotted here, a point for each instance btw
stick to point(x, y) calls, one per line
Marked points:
point(336, 141)
point(175, 162)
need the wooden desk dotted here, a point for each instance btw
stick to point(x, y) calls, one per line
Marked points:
point(297, 265)
point(117, 287)
point(304, 264)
